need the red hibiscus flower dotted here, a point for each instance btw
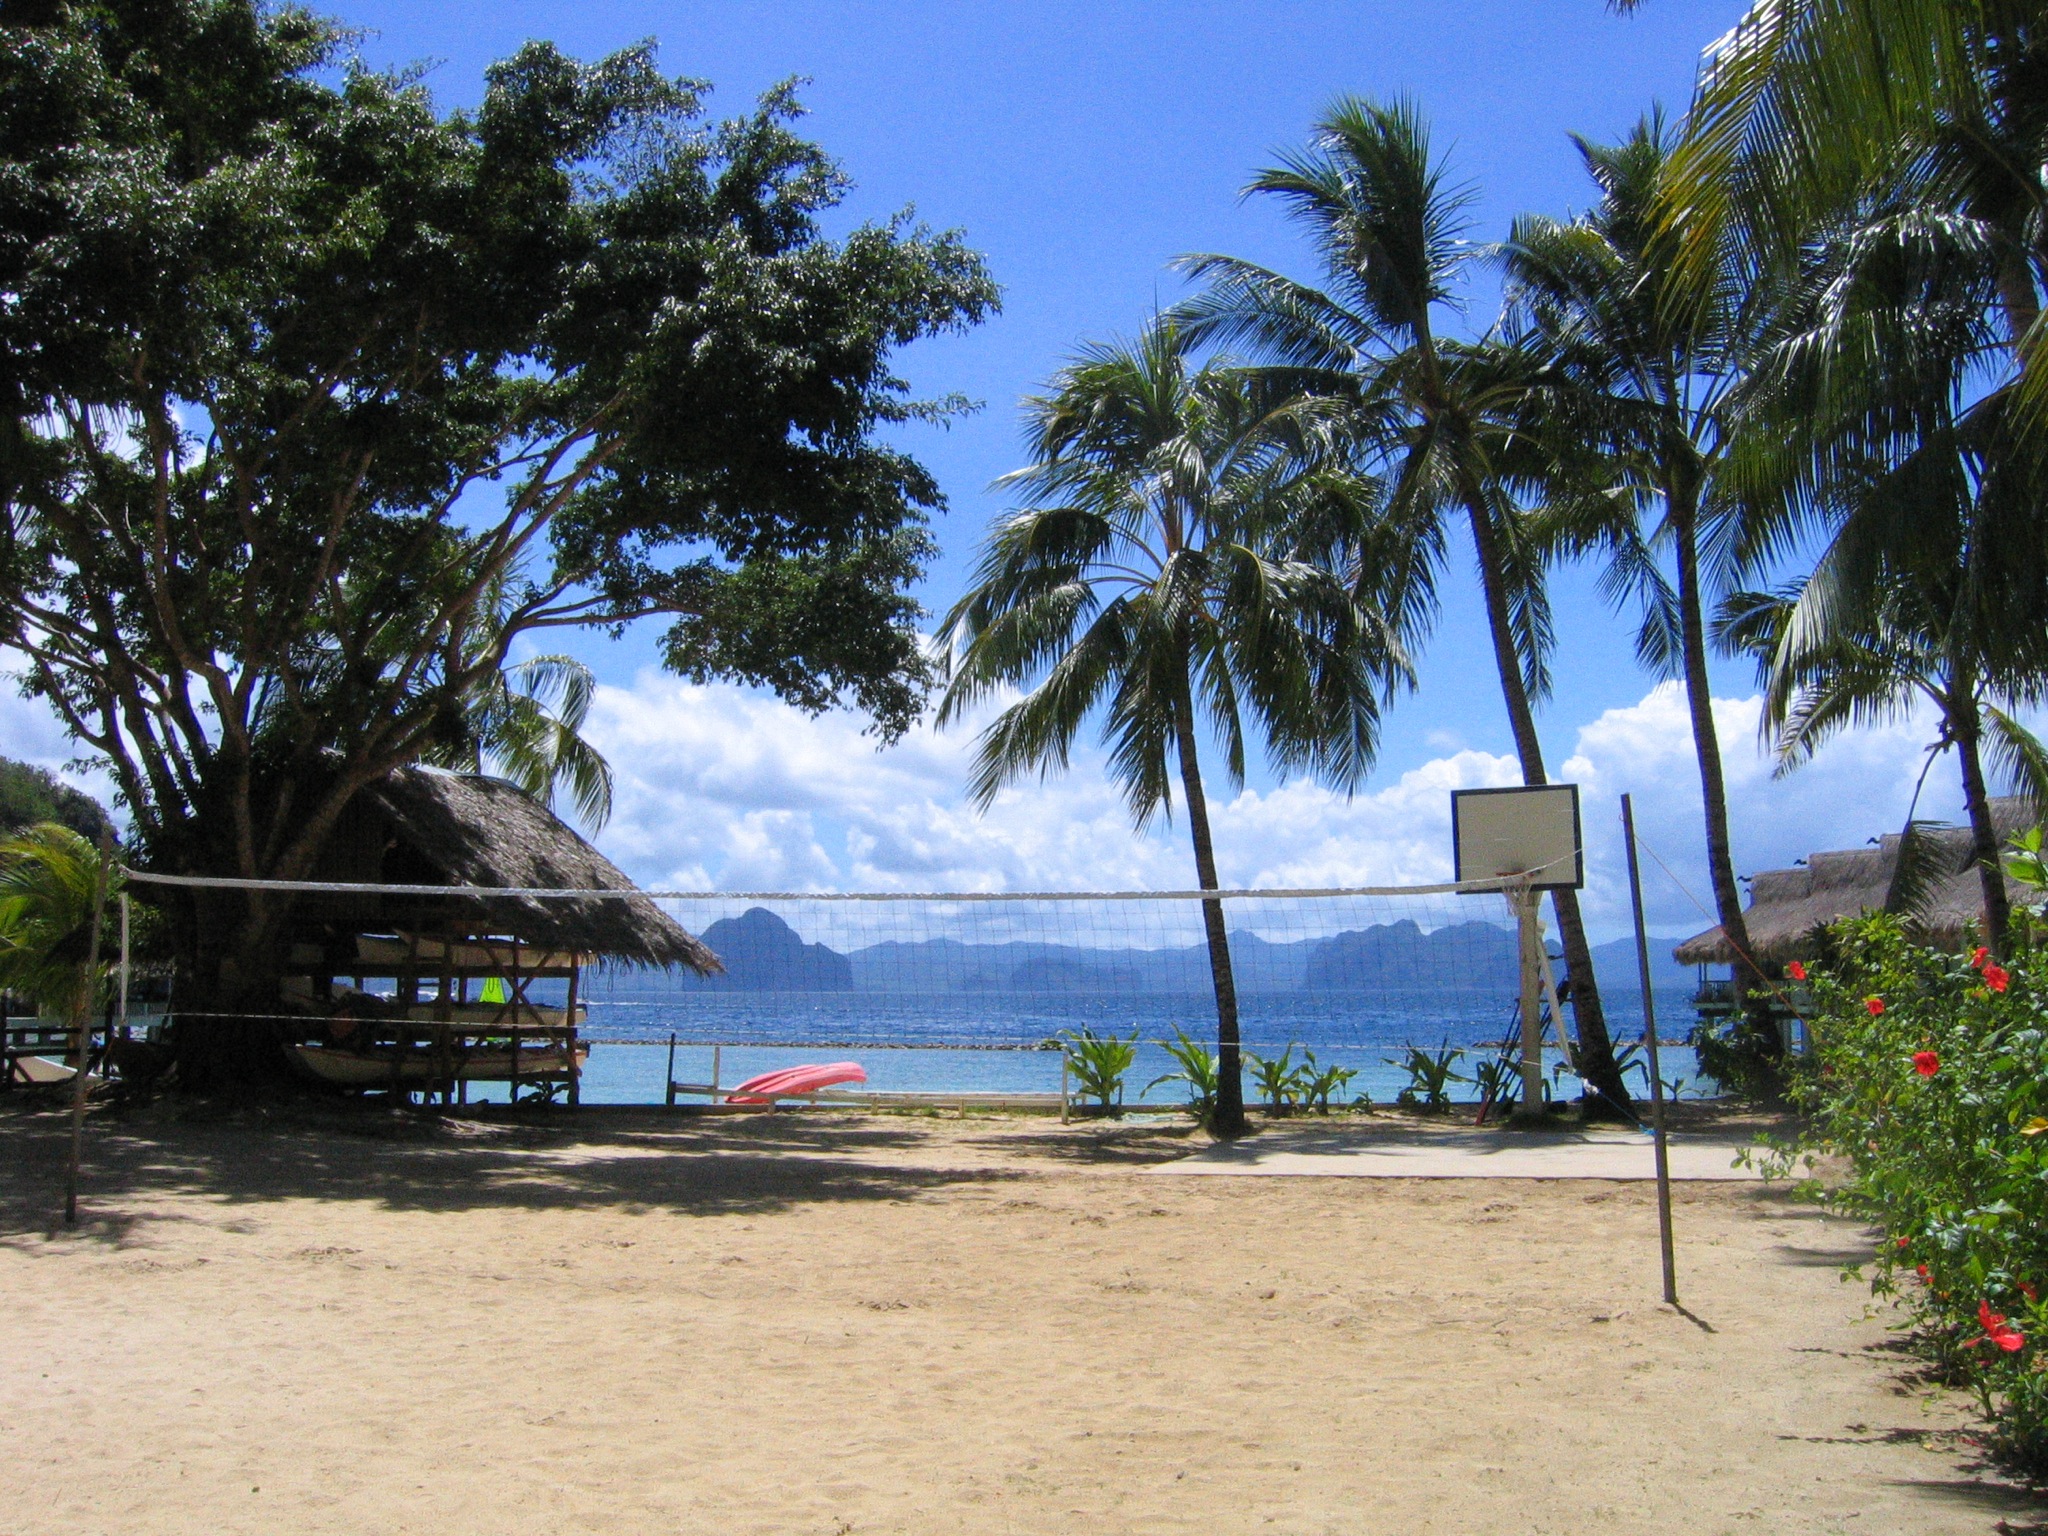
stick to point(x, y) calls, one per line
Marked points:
point(1875, 1005)
point(1997, 1330)
point(1797, 970)
point(1921, 1271)
point(1996, 977)
point(2029, 1292)
point(1979, 956)
point(1926, 1063)
point(1905, 1242)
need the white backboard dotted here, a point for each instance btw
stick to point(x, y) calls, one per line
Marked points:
point(1498, 832)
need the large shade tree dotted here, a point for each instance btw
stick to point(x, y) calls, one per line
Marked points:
point(1196, 558)
point(317, 399)
point(1387, 225)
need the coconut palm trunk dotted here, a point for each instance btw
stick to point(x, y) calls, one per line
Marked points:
point(1683, 501)
point(1596, 1049)
point(1230, 1119)
point(1966, 727)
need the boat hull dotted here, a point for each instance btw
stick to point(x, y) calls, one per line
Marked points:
point(354, 1069)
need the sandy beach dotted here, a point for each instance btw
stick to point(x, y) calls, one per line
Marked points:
point(834, 1324)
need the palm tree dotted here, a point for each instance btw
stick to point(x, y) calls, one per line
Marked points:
point(1193, 554)
point(1881, 418)
point(1387, 225)
point(49, 876)
point(1827, 666)
point(525, 722)
point(1810, 108)
point(1639, 361)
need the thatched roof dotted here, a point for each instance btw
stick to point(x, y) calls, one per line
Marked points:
point(423, 826)
point(1787, 905)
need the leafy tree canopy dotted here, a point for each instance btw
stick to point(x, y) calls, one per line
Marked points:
point(29, 795)
point(318, 398)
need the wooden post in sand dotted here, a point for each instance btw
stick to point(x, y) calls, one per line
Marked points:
point(82, 1023)
point(1525, 901)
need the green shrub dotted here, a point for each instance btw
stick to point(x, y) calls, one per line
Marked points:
point(1199, 1068)
point(1429, 1076)
point(1279, 1080)
point(1316, 1082)
point(1098, 1064)
point(1930, 1076)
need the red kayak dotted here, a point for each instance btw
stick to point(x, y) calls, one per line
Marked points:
point(770, 1086)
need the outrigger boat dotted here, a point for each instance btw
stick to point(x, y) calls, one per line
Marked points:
point(414, 1069)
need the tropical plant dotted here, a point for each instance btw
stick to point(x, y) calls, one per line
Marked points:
point(49, 879)
point(525, 722)
point(1831, 658)
point(1195, 554)
point(1929, 1082)
point(1499, 1081)
point(303, 370)
point(1430, 1075)
point(1278, 1080)
point(1315, 1083)
point(1388, 227)
point(1099, 1063)
point(1200, 1068)
point(1635, 403)
point(1815, 114)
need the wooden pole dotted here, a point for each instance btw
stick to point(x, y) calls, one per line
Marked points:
point(1635, 893)
point(82, 1024)
point(1525, 901)
point(124, 965)
point(670, 1079)
point(569, 1041)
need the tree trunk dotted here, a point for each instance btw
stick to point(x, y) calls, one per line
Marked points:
point(1610, 1098)
point(1229, 1121)
point(1967, 727)
point(224, 1035)
point(1706, 742)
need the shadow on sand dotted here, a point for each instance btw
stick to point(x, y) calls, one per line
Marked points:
point(629, 1159)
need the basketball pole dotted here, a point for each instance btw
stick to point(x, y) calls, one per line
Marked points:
point(1525, 900)
point(1635, 893)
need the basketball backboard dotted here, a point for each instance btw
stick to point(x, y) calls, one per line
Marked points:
point(1535, 831)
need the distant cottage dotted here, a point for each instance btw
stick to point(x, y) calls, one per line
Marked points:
point(1786, 906)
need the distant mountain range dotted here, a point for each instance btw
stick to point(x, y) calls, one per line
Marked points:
point(763, 953)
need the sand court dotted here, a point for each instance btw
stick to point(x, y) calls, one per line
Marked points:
point(840, 1324)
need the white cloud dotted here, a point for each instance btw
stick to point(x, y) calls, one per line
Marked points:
point(720, 788)
point(1857, 786)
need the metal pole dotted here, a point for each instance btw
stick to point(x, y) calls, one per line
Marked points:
point(1635, 892)
point(83, 1026)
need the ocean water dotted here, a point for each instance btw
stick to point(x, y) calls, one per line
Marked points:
point(933, 1042)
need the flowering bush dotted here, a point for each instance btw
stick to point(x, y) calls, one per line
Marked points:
point(1930, 1076)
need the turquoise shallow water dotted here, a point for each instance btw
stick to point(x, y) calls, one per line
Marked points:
point(762, 1031)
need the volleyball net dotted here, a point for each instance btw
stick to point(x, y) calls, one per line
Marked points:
point(1359, 975)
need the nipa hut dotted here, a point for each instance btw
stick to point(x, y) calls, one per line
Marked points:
point(418, 992)
point(1787, 905)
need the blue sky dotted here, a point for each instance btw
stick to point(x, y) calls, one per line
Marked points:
point(1082, 147)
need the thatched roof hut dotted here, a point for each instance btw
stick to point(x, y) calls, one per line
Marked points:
point(1787, 905)
point(424, 826)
